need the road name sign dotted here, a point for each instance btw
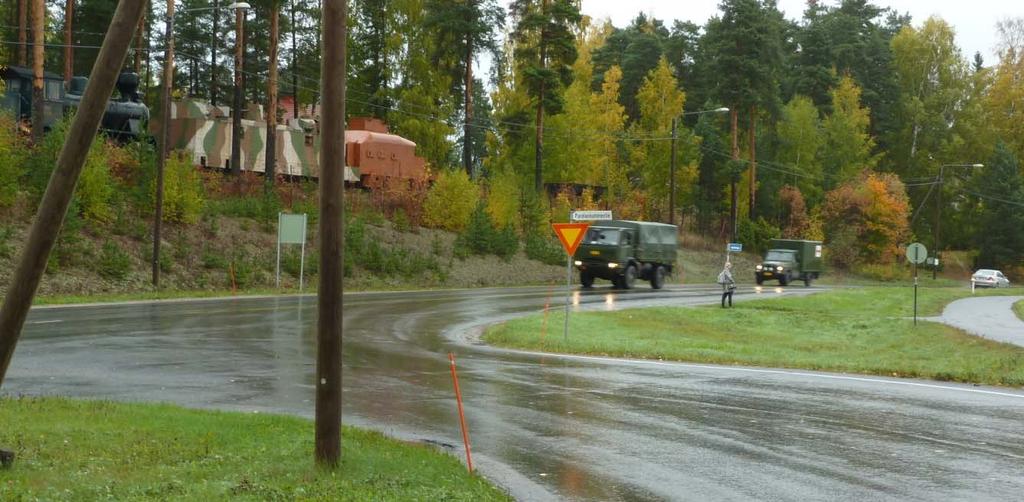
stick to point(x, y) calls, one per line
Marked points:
point(735, 247)
point(570, 235)
point(591, 215)
point(917, 253)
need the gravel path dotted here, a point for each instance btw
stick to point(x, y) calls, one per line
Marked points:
point(989, 316)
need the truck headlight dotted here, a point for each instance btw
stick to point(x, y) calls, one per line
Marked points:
point(577, 263)
point(613, 265)
point(778, 269)
point(758, 268)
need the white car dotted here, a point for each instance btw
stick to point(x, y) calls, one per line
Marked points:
point(990, 279)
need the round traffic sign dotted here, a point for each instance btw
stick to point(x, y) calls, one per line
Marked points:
point(917, 253)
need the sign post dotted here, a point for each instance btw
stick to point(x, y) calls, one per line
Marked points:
point(291, 229)
point(916, 253)
point(733, 247)
point(570, 235)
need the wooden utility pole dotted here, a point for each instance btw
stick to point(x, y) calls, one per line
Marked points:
point(38, 59)
point(69, 52)
point(165, 127)
point(54, 205)
point(271, 156)
point(467, 141)
point(23, 32)
point(332, 176)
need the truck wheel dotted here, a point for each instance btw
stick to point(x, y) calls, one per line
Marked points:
point(783, 280)
point(658, 278)
point(629, 277)
point(807, 281)
point(586, 279)
point(758, 279)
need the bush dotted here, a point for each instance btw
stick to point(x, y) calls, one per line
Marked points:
point(12, 160)
point(756, 234)
point(369, 254)
point(481, 237)
point(183, 190)
point(503, 199)
point(95, 185)
point(451, 201)
point(114, 262)
point(544, 250)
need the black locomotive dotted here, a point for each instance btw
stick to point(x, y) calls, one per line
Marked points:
point(124, 120)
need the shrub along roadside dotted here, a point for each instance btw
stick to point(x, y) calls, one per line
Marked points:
point(90, 450)
point(860, 331)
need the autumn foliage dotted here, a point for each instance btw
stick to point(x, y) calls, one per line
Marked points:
point(866, 219)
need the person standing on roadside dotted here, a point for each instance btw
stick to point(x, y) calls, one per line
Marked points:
point(728, 283)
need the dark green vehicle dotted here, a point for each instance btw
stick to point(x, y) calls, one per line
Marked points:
point(790, 260)
point(624, 251)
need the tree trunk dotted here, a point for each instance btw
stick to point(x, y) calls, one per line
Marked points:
point(271, 157)
point(236, 115)
point(753, 160)
point(294, 69)
point(23, 32)
point(213, 53)
point(139, 45)
point(467, 141)
point(38, 59)
point(69, 53)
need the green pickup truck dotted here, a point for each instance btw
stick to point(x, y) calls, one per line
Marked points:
point(624, 251)
point(788, 260)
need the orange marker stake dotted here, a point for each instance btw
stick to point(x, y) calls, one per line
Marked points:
point(462, 416)
point(231, 270)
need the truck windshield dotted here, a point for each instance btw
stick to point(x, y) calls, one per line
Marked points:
point(607, 236)
point(776, 255)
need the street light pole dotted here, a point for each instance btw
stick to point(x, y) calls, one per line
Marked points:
point(236, 114)
point(938, 210)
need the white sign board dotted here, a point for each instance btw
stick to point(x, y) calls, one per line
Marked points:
point(291, 229)
point(735, 247)
point(917, 253)
point(591, 215)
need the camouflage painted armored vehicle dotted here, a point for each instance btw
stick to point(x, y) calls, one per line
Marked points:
point(624, 251)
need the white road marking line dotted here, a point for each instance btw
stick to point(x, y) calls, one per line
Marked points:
point(46, 322)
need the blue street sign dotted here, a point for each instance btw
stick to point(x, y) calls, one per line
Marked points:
point(735, 247)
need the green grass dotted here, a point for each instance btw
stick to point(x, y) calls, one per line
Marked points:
point(92, 450)
point(864, 330)
point(1019, 309)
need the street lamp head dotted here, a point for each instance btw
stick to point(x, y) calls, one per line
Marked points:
point(239, 6)
point(978, 165)
point(724, 109)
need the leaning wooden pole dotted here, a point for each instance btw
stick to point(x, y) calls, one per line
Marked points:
point(332, 178)
point(54, 205)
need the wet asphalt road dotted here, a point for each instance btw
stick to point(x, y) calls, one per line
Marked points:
point(548, 427)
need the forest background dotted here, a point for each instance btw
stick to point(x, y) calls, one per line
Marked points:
point(853, 124)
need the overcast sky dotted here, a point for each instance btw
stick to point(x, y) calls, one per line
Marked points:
point(973, 20)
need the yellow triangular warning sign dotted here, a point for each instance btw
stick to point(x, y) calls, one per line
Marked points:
point(570, 235)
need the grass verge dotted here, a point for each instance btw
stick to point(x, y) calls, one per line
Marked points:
point(866, 330)
point(96, 450)
point(1019, 309)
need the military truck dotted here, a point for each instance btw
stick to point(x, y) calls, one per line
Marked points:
point(788, 260)
point(624, 251)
